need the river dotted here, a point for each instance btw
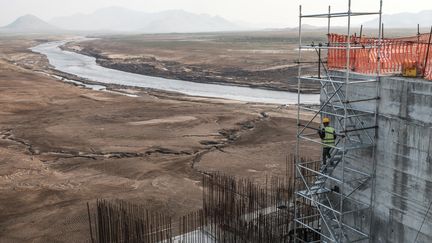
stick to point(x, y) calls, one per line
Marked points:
point(86, 67)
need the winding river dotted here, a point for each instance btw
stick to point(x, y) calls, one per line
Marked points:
point(86, 67)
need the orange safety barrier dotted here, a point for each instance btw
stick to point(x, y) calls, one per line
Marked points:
point(395, 53)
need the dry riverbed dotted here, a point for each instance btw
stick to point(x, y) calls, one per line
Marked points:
point(63, 146)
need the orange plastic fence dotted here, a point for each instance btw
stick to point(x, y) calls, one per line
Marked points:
point(395, 53)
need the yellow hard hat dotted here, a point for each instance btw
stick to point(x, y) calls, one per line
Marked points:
point(326, 120)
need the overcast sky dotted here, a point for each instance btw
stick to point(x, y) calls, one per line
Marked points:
point(273, 13)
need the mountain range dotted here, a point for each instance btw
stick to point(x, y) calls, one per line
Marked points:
point(29, 24)
point(122, 19)
point(118, 19)
point(404, 20)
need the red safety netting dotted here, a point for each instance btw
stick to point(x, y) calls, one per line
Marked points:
point(395, 53)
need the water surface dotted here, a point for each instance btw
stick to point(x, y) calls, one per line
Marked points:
point(86, 67)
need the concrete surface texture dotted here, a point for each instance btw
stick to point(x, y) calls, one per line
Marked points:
point(401, 190)
point(404, 165)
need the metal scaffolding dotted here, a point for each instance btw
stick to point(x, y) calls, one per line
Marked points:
point(339, 193)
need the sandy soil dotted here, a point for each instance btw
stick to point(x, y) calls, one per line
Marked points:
point(63, 146)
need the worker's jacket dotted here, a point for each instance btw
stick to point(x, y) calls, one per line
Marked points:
point(328, 136)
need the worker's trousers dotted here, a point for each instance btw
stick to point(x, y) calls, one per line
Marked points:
point(325, 154)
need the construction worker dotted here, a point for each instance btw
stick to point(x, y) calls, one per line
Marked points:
point(328, 138)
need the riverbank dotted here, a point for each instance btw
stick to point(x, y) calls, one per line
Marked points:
point(242, 59)
point(86, 67)
point(63, 146)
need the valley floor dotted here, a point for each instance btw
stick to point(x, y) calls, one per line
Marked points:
point(62, 146)
point(254, 59)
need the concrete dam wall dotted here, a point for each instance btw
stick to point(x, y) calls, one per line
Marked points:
point(400, 192)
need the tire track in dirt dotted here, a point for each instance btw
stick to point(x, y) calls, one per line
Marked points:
point(30, 179)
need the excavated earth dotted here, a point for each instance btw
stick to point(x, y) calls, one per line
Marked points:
point(62, 146)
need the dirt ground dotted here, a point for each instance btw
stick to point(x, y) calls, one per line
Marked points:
point(263, 59)
point(62, 146)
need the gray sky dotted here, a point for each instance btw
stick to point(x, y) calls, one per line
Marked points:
point(272, 13)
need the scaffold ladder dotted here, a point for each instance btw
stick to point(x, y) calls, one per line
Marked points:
point(330, 199)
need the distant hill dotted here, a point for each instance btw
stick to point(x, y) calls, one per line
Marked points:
point(404, 20)
point(29, 24)
point(122, 19)
point(307, 27)
point(182, 21)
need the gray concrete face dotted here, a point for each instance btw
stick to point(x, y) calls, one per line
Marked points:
point(403, 188)
point(402, 191)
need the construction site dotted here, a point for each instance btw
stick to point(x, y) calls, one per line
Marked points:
point(375, 185)
point(371, 183)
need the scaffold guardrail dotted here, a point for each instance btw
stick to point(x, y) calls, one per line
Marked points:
point(332, 186)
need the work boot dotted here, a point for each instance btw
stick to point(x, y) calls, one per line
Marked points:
point(323, 168)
